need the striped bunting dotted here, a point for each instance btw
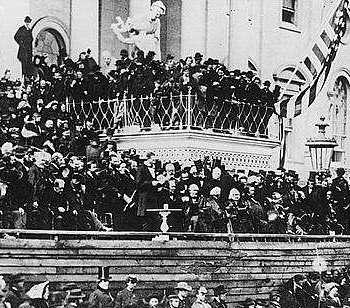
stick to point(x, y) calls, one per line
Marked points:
point(318, 61)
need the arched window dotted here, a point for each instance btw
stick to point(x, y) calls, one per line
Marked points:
point(49, 42)
point(337, 115)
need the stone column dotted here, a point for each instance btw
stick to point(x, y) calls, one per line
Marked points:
point(239, 39)
point(217, 28)
point(85, 27)
point(193, 27)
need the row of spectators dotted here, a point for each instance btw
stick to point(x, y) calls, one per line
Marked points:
point(141, 75)
point(46, 93)
point(77, 182)
point(330, 289)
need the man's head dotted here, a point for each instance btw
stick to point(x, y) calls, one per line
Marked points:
point(58, 186)
point(216, 173)
point(103, 277)
point(131, 282)
point(220, 292)
point(183, 289)
point(150, 158)
point(193, 190)
point(234, 195)
point(201, 294)
point(170, 170)
point(124, 53)
point(215, 192)
point(157, 9)
point(79, 74)
point(174, 301)
point(27, 21)
point(340, 171)
point(16, 281)
point(299, 280)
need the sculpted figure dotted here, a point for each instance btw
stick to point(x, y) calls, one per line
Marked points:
point(142, 32)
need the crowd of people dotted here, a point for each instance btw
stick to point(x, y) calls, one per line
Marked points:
point(74, 181)
point(216, 87)
point(330, 289)
point(69, 179)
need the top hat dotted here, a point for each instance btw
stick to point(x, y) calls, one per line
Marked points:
point(220, 289)
point(103, 273)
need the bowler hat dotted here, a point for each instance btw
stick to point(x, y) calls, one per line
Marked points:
point(220, 289)
point(27, 19)
point(198, 55)
point(183, 286)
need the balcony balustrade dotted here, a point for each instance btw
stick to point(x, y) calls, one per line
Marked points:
point(179, 112)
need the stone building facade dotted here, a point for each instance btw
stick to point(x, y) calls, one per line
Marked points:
point(267, 36)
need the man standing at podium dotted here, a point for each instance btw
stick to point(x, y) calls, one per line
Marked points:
point(24, 39)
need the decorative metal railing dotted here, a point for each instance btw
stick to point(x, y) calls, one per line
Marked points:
point(147, 113)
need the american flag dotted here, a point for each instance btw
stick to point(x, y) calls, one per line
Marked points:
point(319, 59)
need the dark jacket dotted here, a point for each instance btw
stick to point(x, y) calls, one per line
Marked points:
point(125, 299)
point(24, 38)
point(14, 297)
point(147, 193)
point(100, 299)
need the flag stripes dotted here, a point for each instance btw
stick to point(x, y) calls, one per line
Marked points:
point(320, 58)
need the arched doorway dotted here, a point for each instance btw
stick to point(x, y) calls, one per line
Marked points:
point(49, 42)
point(337, 113)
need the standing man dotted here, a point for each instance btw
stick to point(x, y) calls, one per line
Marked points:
point(24, 39)
point(101, 297)
point(219, 298)
point(201, 301)
point(183, 291)
point(126, 298)
point(15, 295)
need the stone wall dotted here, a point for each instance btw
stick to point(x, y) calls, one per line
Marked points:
point(247, 268)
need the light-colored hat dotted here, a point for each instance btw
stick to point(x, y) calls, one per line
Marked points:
point(183, 286)
point(159, 4)
point(202, 290)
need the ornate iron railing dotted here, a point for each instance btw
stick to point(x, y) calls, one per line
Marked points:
point(147, 113)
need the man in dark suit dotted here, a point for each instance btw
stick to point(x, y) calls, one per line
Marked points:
point(15, 295)
point(24, 39)
point(147, 185)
